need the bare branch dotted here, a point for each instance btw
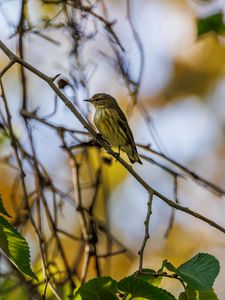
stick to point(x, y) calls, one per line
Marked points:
point(147, 236)
point(197, 178)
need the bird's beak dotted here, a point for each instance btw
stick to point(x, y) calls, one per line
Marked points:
point(87, 100)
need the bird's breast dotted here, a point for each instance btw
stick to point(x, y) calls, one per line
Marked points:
point(106, 124)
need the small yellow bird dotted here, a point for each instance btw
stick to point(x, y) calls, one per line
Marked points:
point(112, 124)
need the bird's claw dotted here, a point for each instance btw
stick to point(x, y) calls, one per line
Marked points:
point(99, 136)
point(117, 156)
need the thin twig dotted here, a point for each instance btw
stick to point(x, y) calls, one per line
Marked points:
point(172, 217)
point(197, 178)
point(140, 48)
point(146, 236)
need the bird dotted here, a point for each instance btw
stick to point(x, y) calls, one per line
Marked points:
point(112, 124)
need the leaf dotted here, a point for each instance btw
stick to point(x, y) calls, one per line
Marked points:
point(189, 294)
point(150, 276)
point(200, 271)
point(212, 23)
point(2, 208)
point(98, 289)
point(185, 296)
point(8, 290)
point(169, 266)
point(209, 295)
point(139, 288)
point(15, 247)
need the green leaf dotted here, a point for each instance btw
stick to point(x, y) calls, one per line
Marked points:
point(169, 266)
point(11, 289)
point(209, 295)
point(189, 294)
point(212, 23)
point(149, 276)
point(15, 247)
point(2, 208)
point(200, 271)
point(98, 289)
point(139, 288)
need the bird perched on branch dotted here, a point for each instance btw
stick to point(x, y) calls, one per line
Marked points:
point(112, 124)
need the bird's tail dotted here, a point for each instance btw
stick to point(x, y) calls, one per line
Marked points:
point(132, 154)
point(133, 157)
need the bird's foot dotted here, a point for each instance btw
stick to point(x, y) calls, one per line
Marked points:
point(117, 156)
point(99, 136)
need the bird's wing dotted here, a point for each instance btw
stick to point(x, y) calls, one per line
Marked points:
point(124, 124)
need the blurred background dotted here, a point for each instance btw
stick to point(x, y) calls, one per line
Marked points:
point(180, 111)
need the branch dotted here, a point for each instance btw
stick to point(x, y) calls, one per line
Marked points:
point(147, 236)
point(172, 217)
point(197, 178)
point(103, 143)
point(140, 49)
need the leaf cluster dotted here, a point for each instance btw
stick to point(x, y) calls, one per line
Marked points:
point(197, 276)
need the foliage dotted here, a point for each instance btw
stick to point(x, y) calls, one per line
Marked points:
point(149, 275)
point(191, 294)
point(213, 23)
point(198, 272)
point(197, 276)
point(13, 245)
point(17, 291)
point(98, 289)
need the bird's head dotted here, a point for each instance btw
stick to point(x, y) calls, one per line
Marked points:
point(102, 100)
